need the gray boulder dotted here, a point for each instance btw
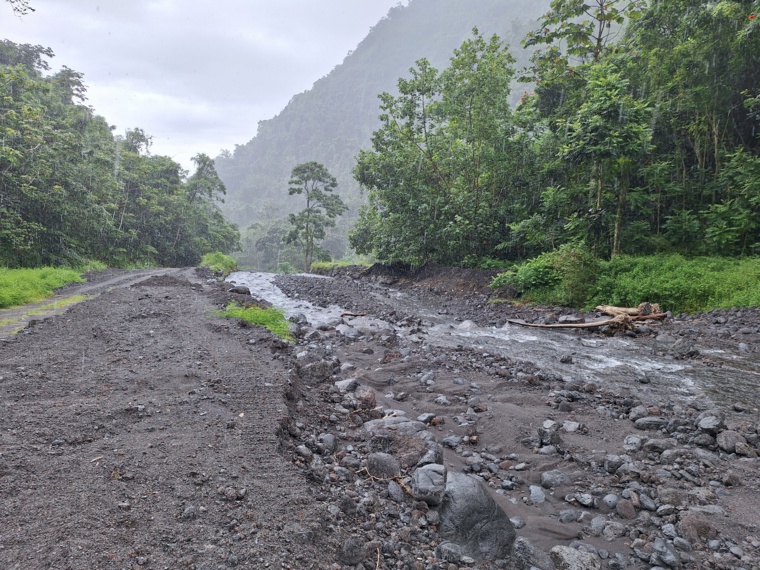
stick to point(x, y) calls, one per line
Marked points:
point(566, 558)
point(473, 520)
point(429, 483)
point(527, 557)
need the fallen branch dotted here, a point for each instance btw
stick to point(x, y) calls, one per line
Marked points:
point(353, 314)
point(618, 320)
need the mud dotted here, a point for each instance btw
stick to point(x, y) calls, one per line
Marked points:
point(140, 430)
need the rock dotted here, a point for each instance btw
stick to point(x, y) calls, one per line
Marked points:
point(347, 385)
point(745, 450)
point(554, 478)
point(537, 496)
point(393, 424)
point(659, 445)
point(316, 371)
point(711, 425)
point(568, 516)
point(650, 423)
point(566, 558)
point(383, 466)
point(614, 462)
point(190, 512)
point(527, 557)
point(695, 528)
point(396, 492)
point(632, 443)
point(637, 413)
point(728, 439)
point(613, 530)
point(610, 500)
point(666, 553)
point(585, 499)
point(352, 551)
point(473, 520)
point(239, 290)
point(429, 484)
point(625, 509)
point(449, 552)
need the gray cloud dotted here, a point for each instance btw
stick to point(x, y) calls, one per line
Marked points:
point(195, 74)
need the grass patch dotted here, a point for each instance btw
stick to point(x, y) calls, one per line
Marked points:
point(272, 319)
point(219, 263)
point(23, 286)
point(676, 283)
point(42, 309)
point(323, 267)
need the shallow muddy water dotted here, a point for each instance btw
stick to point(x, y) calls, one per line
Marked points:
point(641, 366)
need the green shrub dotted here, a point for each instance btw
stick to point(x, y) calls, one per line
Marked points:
point(272, 319)
point(219, 263)
point(561, 277)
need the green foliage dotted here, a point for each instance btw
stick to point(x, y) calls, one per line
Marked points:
point(22, 286)
point(312, 181)
point(71, 191)
point(437, 174)
point(272, 318)
point(561, 277)
point(219, 263)
point(679, 284)
point(572, 277)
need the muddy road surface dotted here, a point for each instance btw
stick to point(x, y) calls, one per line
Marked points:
point(141, 430)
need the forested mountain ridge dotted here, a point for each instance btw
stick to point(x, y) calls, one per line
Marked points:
point(335, 119)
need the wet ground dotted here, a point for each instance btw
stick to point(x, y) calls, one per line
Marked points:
point(140, 430)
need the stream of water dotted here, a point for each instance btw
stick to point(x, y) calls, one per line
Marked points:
point(642, 366)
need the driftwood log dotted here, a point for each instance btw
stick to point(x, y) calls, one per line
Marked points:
point(643, 310)
point(620, 321)
point(622, 318)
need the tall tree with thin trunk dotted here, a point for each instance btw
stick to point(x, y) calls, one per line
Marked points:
point(316, 184)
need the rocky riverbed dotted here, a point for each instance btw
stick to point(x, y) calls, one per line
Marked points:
point(400, 430)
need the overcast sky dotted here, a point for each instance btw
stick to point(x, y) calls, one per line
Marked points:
point(197, 75)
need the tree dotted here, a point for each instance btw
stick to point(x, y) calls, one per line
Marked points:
point(316, 184)
point(610, 133)
point(440, 169)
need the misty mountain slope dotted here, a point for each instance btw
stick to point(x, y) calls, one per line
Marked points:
point(335, 119)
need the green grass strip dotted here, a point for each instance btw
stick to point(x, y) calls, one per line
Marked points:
point(23, 286)
point(272, 319)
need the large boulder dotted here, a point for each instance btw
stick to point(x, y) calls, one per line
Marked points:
point(473, 520)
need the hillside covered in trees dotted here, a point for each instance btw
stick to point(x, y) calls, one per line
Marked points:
point(71, 191)
point(642, 142)
point(616, 127)
point(331, 122)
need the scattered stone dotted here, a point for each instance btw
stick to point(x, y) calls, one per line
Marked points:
point(429, 484)
point(473, 520)
point(383, 466)
point(566, 558)
point(553, 479)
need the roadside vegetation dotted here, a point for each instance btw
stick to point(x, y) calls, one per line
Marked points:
point(219, 263)
point(22, 286)
point(571, 276)
point(272, 318)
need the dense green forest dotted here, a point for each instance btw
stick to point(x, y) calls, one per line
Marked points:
point(71, 191)
point(641, 136)
point(331, 122)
